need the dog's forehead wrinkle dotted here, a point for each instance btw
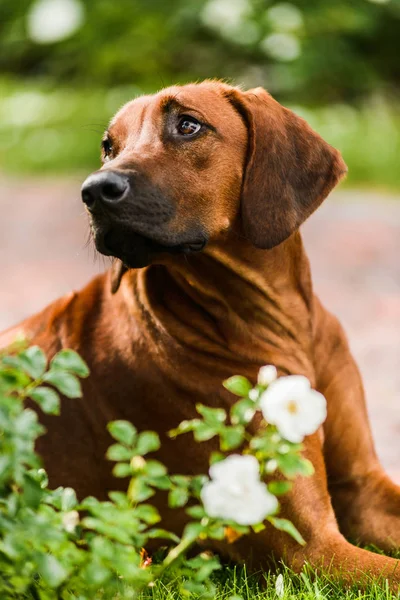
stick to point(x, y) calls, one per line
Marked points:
point(169, 104)
point(143, 115)
point(130, 116)
point(195, 97)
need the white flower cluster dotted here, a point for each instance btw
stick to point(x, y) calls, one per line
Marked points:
point(235, 491)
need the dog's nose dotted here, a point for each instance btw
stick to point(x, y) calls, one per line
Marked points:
point(105, 187)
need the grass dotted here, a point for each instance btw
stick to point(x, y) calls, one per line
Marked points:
point(52, 130)
point(234, 583)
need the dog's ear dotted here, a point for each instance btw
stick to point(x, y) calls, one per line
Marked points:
point(117, 271)
point(290, 169)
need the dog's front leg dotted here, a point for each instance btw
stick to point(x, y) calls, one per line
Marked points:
point(309, 507)
point(366, 502)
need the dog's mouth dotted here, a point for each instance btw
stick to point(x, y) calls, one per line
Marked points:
point(137, 250)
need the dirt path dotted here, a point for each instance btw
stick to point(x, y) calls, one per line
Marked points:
point(353, 243)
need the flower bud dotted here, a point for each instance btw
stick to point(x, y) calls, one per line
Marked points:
point(267, 375)
point(138, 463)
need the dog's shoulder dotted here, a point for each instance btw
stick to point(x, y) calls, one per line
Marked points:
point(52, 327)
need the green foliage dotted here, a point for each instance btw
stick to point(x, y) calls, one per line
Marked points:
point(324, 51)
point(52, 545)
point(319, 58)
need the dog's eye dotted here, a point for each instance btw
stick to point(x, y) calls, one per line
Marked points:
point(107, 148)
point(188, 126)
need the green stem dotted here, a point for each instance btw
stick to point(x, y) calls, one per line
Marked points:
point(175, 553)
point(31, 386)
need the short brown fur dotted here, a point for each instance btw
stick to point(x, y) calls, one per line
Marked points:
point(161, 338)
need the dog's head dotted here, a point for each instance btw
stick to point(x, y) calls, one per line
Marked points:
point(186, 164)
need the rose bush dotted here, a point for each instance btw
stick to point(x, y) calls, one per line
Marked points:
point(52, 546)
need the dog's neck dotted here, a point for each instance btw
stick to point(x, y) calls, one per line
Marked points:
point(232, 301)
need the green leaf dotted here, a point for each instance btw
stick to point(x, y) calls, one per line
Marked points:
point(47, 399)
point(213, 416)
point(216, 457)
point(278, 488)
point(32, 492)
point(122, 470)
point(27, 424)
point(292, 465)
point(232, 437)
point(216, 531)
point(123, 432)
point(139, 490)
point(178, 497)
point(193, 531)
point(163, 534)
point(193, 588)
point(64, 382)
point(208, 566)
point(51, 570)
point(242, 412)
point(264, 443)
point(162, 482)
point(33, 361)
point(95, 574)
point(115, 532)
point(238, 385)
point(69, 360)
point(307, 468)
point(203, 566)
point(68, 499)
point(132, 574)
point(288, 527)
point(204, 432)
point(181, 480)
point(196, 512)
point(6, 463)
point(147, 441)
point(153, 468)
point(147, 513)
point(184, 427)
point(197, 483)
point(118, 452)
point(13, 379)
point(120, 499)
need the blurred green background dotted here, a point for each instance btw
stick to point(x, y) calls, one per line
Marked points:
point(67, 65)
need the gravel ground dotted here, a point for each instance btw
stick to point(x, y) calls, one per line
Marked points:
point(353, 242)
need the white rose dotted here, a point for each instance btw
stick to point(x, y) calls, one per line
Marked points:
point(236, 493)
point(295, 409)
point(267, 375)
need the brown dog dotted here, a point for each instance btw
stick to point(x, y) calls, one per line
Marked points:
point(200, 197)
